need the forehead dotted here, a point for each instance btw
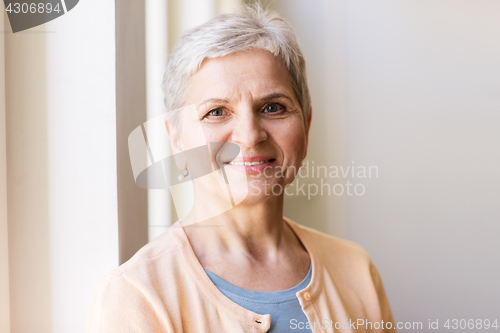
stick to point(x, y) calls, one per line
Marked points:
point(252, 71)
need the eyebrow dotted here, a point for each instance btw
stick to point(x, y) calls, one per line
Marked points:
point(265, 98)
point(214, 100)
point(274, 96)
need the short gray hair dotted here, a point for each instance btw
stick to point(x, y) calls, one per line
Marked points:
point(250, 27)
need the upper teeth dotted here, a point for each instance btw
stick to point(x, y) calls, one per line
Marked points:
point(248, 163)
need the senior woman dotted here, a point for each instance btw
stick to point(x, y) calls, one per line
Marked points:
point(235, 264)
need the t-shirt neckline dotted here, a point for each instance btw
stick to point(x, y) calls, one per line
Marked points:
point(260, 296)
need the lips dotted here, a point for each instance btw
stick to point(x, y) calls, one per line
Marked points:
point(250, 160)
point(249, 163)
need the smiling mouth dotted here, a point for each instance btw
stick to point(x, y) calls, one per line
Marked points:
point(249, 163)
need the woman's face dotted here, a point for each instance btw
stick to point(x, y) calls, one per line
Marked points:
point(247, 99)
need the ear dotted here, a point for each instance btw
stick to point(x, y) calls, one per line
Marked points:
point(173, 135)
point(308, 125)
point(175, 144)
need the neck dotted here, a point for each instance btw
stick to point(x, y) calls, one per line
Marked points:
point(257, 230)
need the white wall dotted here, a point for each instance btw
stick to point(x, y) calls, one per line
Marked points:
point(61, 163)
point(413, 88)
point(160, 212)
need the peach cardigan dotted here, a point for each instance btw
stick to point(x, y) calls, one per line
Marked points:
point(163, 288)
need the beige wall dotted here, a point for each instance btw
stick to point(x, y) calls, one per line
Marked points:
point(4, 237)
point(413, 88)
point(27, 160)
point(130, 112)
point(424, 107)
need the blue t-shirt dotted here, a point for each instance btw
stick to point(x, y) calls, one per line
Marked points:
point(283, 305)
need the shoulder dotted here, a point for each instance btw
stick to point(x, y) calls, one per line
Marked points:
point(131, 297)
point(159, 258)
point(162, 249)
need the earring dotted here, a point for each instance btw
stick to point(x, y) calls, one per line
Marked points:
point(303, 165)
point(184, 174)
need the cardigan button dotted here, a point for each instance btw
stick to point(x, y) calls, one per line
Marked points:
point(307, 296)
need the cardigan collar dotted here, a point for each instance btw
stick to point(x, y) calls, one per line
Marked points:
point(256, 321)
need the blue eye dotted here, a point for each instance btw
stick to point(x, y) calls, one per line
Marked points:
point(273, 108)
point(216, 112)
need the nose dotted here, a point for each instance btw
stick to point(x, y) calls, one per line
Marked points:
point(248, 131)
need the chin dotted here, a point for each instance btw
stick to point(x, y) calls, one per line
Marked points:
point(254, 191)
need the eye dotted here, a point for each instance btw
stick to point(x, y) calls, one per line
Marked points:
point(273, 108)
point(216, 112)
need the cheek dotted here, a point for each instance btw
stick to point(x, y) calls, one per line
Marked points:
point(291, 139)
point(192, 137)
point(216, 133)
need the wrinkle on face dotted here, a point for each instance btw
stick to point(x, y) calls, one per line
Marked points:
point(243, 84)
